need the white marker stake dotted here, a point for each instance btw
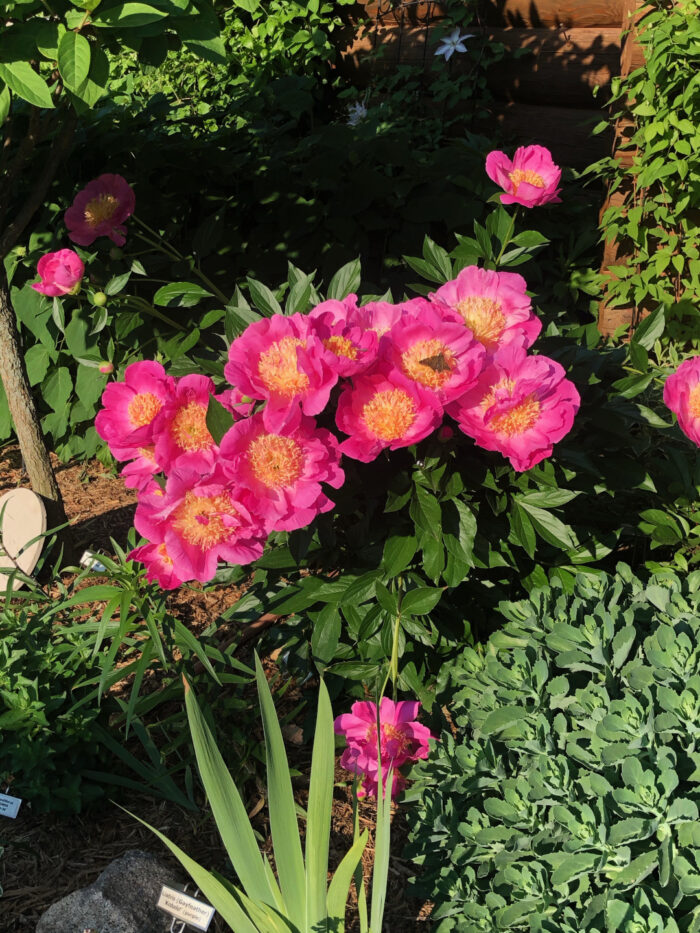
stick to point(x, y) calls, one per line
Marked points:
point(194, 913)
point(9, 806)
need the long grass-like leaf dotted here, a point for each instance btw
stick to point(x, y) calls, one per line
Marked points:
point(283, 818)
point(380, 869)
point(218, 896)
point(340, 885)
point(228, 809)
point(318, 822)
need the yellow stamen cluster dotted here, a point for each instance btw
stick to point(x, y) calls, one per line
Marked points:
point(198, 519)
point(276, 461)
point(143, 408)
point(189, 428)
point(484, 317)
point(99, 209)
point(429, 362)
point(520, 418)
point(164, 556)
point(341, 346)
point(277, 368)
point(519, 175)
point(389, 414)
point(694, 401)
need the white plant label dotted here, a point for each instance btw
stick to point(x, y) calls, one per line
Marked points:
point(9, 806)
point(183, 907)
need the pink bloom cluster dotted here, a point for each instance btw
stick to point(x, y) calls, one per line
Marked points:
point(402, 740)
point(388, 373)
point(682, 396)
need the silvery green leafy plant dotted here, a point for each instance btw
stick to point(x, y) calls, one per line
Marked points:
point(299, 900)
point(569, 797)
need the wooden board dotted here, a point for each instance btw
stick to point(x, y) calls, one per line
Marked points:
point(523, 13)
point(559, 67)
point(563, 130)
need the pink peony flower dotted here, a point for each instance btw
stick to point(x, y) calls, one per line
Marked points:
point(138, 473)
point(283, 470)
point(130, 407)
point(61, 273)
point(281, 360)
point(520, 406)
point(402, 740)
point(339, 311)
point(682, 396)
point(180, 429)
point(201, 519)
point(435, 353)
point(382, 411)
point(531, 179)
point(160, 567)
point(349, 349)
point(381, 316)
point(100, 209)
point(236, 402)
point(493, 305)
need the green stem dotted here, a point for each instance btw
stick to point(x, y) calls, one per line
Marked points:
point(170, 250)
point(154, 312)
point(509, 234)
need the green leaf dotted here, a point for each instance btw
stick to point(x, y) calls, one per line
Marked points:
point(549, 527)
point(73, 59)
point(227, 808)
point(339, 887)
point(5, 103)
point(399, 551)
point(127, 15)
point(283, 818)
point(219, 419)
point(420, 601)
point(318, 822)
point(503, 718)
point(94, 87)
point(21, 78)
point(57, 387)
point(180, 295)
point(346, 280)
point(573, 866)
point(650, 329)
point(636, 871)
point(263, 299)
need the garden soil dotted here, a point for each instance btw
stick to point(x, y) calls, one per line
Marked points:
point(48, 856)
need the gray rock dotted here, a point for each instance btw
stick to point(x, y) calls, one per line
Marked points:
point(122, 900)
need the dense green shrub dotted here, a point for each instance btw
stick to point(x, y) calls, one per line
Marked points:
point(567, 798)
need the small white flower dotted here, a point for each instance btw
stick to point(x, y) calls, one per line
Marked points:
point(356, 112)
point(453, 43)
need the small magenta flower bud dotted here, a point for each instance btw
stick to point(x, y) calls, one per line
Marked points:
point(445, 433)
point(99, 299)
point(106, 368)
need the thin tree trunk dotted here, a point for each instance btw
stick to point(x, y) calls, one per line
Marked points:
point(24, 415)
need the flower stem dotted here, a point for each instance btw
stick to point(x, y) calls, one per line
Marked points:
point(159, 243)
point(508, 235)
point(143, 305)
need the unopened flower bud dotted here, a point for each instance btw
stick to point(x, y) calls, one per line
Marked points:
point(445, 433)
point(116, 252)
point(99, 299)
point(106, 368)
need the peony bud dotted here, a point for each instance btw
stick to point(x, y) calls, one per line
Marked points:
point(106, 368)
point(99, 299)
